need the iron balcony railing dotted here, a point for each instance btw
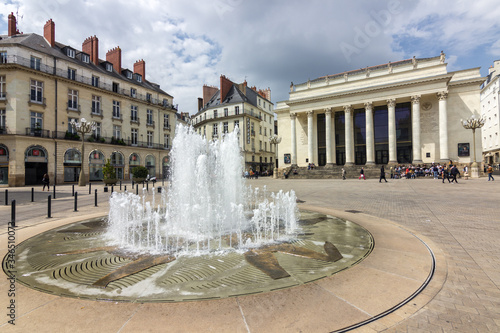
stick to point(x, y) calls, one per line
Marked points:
point(38, 132)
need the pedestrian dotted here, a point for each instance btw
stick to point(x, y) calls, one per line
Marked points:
point(435, 171)
point(382, 175)
point(454, 173)
point(489, 170)
point(446, 174)
point(343, 174)
point(362, 174)
point(46, 182)
point(392, 173)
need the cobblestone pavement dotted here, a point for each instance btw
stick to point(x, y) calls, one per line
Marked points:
point(462, 219)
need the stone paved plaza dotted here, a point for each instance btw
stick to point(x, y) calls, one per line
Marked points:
point(460, 219)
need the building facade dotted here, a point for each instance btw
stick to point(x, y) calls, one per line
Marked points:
point(490, 93)
point(407, 112)
point(246, 108)
point(44, 85)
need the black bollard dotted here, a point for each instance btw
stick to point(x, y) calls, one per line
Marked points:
point(136, 189)
point(95, 199)
point(159, 189)
point(49, 206)
point(132, 183)
point(120, 185)
point(73, 190)
point(32, 194)
point(163, 181)
point(90, 188)
point(125, 188)
point(54, 187)
point(13, 213)
point(147, 187)
point(76, 201)
point(6, 197)
point(112, 189)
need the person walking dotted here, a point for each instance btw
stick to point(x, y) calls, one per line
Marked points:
point(46, 182)
point(489, 170)
point(446, 174)
point(362, 174)
point(382, 175)
point(454, 173)
point(343, 174)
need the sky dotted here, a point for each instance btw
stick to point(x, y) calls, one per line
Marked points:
point(189, 43)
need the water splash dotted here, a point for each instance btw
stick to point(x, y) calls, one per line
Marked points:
point(208, 206)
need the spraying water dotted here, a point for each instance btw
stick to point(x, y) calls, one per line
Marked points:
point(208, 206)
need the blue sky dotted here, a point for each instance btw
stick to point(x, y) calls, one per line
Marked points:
point(269, 43)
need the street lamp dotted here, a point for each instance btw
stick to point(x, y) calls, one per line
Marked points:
point(83, 127)
point(473, 123)
point(275, 140)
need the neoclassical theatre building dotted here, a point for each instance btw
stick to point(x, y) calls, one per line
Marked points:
point(405, 112)
point(44, 85)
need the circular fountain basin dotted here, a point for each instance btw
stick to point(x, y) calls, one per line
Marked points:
point(77, 261)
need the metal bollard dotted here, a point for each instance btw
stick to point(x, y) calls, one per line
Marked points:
point(147, 186)
point(136, 189)
point(73, 190)
point(125, 188)
point(76, 201)
point(6, 197)
point(32, 194)
point(159, 189)
point(13, 213)
point(120, 185)
point(49, 206)
point(132, 183)
point(95, 199)
point(54, 187)
point(112, 189)
point(90, 188)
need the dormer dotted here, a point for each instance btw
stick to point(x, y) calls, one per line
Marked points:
point(128, 74)
point(69, 51)
point(107, 66)
point(138, 77)
point(84, 57)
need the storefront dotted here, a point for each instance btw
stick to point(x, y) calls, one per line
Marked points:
point(133, 161)
point(4, 165)
point(72, 165)
point(35, 165)
point(96, 162)
point(118, 162)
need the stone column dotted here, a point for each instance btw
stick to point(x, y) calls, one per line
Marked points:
point(370, 134)
point(415, 130)
point(293, 135)
point(349, 136)
point(329, 138)
point(310, 136)
point(443, 127)
point(391, 109)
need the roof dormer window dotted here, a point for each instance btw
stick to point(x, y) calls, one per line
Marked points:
point(138, 77)
point(129, 75)
point(85, 58)
point(70, 53)
point(109, 67)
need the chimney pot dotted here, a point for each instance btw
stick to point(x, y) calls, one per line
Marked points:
point(49, 32)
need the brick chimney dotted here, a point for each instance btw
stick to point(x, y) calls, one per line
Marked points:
point(140, 68)
point(114, 56)
point(49, 32)
point(266, 93)
point(225, 85)
point(12, 25)
point(91, 46)
point(208, 92)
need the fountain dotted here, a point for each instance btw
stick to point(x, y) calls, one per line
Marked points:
point(207, 207)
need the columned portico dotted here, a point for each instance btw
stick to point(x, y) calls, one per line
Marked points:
point(349, 136)
point(443, 126)
point(293, 137)
point(391, 108)
point(415, 119)
point(370, 138)
point(330, 139)
point(310, 136)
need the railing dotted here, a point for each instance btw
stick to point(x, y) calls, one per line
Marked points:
point(135, 120)
point(166, 127)
point(65, 135)
point(3, 95)
point(196, 120)
point(150, 124)
point(3, 130)
point(41, 133)
point(15, 59)
point(72, 106)
point(96, 112)
point(36, 101)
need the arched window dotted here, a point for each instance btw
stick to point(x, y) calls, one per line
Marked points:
point(150, 164)
point(134, 160)
point(4, 164)
point(36, 154)
point(165, 167)
point(72, 156)
point(96, 162)
point(72, 165)
point(117, 161)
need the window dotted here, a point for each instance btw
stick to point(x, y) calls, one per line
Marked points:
point(215, 130)
point(204, 130)
point(225, 127)
point(260, 130)
point(129, 75)
point(116, 109)
point(36, 120)
point(115, 87)
point(148, 97)
point(85, 58)
point(109, 67)
point(2, 119)
point(117, 131)
point(36, 91)
point(166, 121)
point(150, 139)
point(72, 99)
point(71, 129)
point(260, 145)
point(259, 101)
point(265, 146)
point(70, 53)
point(35, 63)
point(3, 90)
point(236, 124)
point(71, 73)
point(265, 117)
point(265, 131)
point(253, 144)
point(97, 131)
point(95, 81)
point(149, 115)
point(133, 136)
point(3, 57)
point(166, 145)
point(138, 78)
point(215, 114)
point(226, 112)
point(133, 92)
point(264, 104)
point(133, 113)
point(96, 105)
point(236, 110)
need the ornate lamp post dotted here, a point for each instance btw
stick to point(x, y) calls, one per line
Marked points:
point(473, 123)
point(275, 140)
point(83, 127)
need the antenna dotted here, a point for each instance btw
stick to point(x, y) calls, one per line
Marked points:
point(18, 19)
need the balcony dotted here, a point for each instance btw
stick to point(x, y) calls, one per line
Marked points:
point(73, 107)
point(96, 112)
point(3, 97)
point(150, 123)
point(3, 129)
point(65, 135)
point(135, 121)
point(166, 127)
point(38, 132)
point(117, 117)
point(33, 100)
